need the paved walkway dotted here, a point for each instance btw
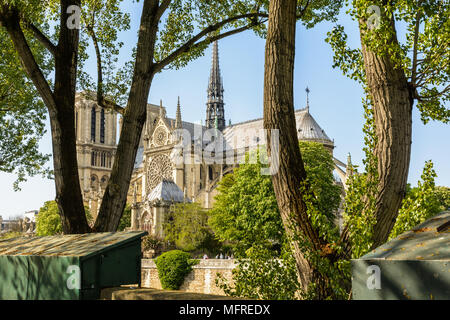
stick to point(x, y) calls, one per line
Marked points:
point(127, 293)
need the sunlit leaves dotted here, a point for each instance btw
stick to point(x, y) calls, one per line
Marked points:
point(185, 19)
point(424, 56)
point(246, 209)
point(22, 114)
point(187, 227)
point(420, 203)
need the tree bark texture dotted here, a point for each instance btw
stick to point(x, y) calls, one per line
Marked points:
point(114, 199)
point(392, 104)
point(279, 114)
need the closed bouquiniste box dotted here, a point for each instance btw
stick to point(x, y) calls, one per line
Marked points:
point(68, 267)
point(415, 265)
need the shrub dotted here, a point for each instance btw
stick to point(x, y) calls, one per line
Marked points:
point(10, 234)
point(173, 266)
point(48, 222)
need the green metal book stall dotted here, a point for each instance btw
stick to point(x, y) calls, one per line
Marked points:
point(415, 265)
point(70, 267)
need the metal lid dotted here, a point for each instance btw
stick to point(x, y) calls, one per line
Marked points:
point(427, 241)
point(80, 245)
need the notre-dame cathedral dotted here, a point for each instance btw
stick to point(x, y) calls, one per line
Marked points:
point(158, 181)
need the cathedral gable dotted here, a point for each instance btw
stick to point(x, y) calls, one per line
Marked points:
point(161, 135)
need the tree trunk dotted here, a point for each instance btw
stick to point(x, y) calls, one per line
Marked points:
point(279, 114)
point(114, 199)
point(392, 104)
point(60, 104)
point(67, 182)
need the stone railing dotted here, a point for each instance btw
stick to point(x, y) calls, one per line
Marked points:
point(202, 278)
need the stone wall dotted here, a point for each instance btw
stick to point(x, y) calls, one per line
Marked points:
point(202, 278)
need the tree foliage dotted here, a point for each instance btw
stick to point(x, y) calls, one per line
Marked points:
point(187, 227)
point(48, 221)
point(263, 275)
point(420, 203)
point(443, 195)
point(246, 214)
point(246, 210)
point(424, 55)
point(125, 221)
point(22, 114)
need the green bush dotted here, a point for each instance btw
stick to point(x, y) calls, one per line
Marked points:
point(11, 234)
point(173, 266)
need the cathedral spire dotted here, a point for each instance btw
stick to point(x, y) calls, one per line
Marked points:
point(307, 99)
point(162, 112)
point(215, 104)
point(178, 115)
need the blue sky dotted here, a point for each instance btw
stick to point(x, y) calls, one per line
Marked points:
point(335, 102)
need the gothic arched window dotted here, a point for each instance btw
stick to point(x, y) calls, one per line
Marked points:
point(93, 122)
point(94, 182)
point(103, 159)
point(146, 222)
point(102, 126)
point(210, 173)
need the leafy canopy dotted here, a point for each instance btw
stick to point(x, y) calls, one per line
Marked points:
point(246, 209)
point(246, 214)
point(48, 222)
point(22, 114)
point(424, 55)
point(187, 227)
point(420, 203)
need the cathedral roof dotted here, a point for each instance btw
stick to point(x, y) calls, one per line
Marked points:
point(167, 190)
point(237, 135)
point(309, 129)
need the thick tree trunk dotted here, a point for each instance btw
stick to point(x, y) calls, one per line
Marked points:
point(60, 104)
point(114, 199)
point(279, 114)
point(392, 104)
point(67, 182)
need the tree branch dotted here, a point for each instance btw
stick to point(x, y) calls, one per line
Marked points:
point(42, 38)
point(302, 11)
point(192, 42)
point(101, 100)
point(414, 63)
point(108, 104)
point(9, 18)
point(162, 8)
point(437, 94)
point(91, 33)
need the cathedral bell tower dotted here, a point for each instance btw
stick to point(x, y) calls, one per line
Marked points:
point(215, 113)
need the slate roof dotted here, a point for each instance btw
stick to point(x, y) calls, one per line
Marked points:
point(167, 190)
point(250, 133)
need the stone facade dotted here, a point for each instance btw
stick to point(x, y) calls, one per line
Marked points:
point(202, 278)
point(96, 133)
